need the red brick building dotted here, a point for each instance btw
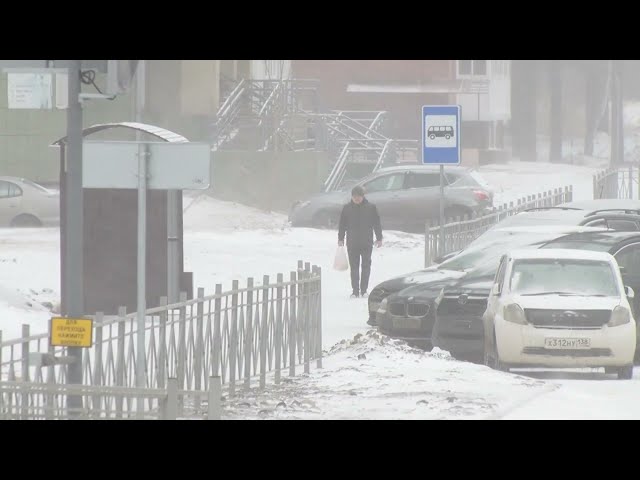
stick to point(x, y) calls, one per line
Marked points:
point(401, 87)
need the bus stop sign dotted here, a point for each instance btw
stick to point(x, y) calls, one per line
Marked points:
point(441, 134)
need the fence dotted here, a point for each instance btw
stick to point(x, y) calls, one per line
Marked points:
point(461, 231)
point(44, 401)
point(617, 183)
point(235, 335)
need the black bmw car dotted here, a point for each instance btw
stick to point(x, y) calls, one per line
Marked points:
point(408, 314)
point(458, 326)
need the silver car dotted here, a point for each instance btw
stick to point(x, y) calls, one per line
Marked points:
point(24, 203)
point(406, 197)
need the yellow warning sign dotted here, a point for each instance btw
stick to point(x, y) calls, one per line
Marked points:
point(71, 332)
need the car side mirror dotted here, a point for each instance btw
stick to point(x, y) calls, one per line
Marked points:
point(629, 291)
point(495, 290)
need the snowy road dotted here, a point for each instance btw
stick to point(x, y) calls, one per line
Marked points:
point(581, 395)
point(369, 377)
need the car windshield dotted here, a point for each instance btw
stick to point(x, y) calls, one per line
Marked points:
point(473, 255)
point(563, 277)
point(484, 270)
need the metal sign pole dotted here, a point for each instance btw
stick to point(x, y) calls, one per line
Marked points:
point(143, 154)
point(172, 245)
point(441, 236)
point(73, 227)
point(441, 146)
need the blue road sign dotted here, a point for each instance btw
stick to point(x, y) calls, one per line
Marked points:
point(441, 134)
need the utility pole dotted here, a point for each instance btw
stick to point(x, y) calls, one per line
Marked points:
point(141, 363)
point(74, 222)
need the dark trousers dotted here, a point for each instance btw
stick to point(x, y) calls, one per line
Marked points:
point(360, 283)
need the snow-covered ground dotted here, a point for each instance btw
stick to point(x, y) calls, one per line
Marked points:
point(513, 180)
point(374, 377)
point(226, 241)
point(29, 279)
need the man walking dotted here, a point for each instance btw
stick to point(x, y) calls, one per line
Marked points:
point(359, 220)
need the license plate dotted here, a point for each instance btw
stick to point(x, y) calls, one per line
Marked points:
point(569, 343)
point(412, 323)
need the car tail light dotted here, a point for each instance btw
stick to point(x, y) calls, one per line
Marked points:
point(481, 195)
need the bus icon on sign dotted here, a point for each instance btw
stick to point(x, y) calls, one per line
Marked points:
point(439, 131)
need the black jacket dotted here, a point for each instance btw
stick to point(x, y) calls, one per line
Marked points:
point(359, 222)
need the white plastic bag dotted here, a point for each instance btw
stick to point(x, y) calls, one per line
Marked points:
point(341, 263)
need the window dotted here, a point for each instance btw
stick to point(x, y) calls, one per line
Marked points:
point(597, 223)
point(9, 190)
point(35, 185)
point(623, 225)
point(386, 183)
point(464, 67)
point(479, 67)
point(467, 68)
point(452, 178)
point(629, 258)
point(424, 180)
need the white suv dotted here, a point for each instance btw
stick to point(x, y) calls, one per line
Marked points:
point(561, 309)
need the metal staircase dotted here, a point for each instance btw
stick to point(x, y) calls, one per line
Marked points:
point(284, 115)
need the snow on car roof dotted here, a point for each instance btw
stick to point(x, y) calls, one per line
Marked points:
point(551, 229)
point(604, 204)
point(551, 253)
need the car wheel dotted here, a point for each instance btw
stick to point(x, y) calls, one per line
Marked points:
point(498, 364)
point(325, 219)
point(432, 137)
point(503, 367)
point(488, 357)
point(625, 373)
point(447, 137)
point(488, 361)
point(26, 221)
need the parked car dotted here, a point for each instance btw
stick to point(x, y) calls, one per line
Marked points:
point(603, 204)
point(457, 267)
point(406, 197)
point(615, 219)
point(455, 321)
point(24, 203)
point(458, 309)
point(559, 308)
point(409, 313)
point(607, 214)
point(624, 246)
